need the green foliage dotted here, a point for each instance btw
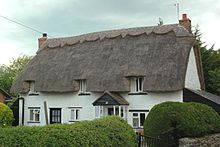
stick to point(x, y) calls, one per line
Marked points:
point(211, 64)
point(9, 72)
point(6, 115)
point(181, 120)
point(108, 131)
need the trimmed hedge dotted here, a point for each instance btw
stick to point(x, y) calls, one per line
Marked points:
point(6, 115)
point(182, 120)
point(107, 131)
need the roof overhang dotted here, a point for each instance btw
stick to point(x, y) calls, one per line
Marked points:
point(109, 98)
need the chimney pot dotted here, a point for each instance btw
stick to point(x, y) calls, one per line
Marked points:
point(184, 17)
point(44, 34)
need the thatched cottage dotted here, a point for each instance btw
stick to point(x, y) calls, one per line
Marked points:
point(120, 72)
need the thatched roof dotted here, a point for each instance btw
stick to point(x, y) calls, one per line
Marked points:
point(107, 59)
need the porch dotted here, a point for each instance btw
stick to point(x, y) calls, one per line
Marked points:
point(111, 104)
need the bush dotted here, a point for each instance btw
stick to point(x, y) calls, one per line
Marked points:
point(108, 131)
point(175, 119)
point(6, 115)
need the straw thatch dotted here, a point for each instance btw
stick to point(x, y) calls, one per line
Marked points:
point(107, 60)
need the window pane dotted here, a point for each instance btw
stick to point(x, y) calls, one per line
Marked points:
point(116, 111)
point(135, 114)
point(142, 118)
point(77, 114)
point(137, 84)
point(72, 114)
point(122, 114)
point(31, 115)
point(135, 122)
point(37, 117)
point(140, 84)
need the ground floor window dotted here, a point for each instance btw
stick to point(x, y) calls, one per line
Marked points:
point(55, 115)
point(119, 110)
point(74, 114)
point(34, 114)
point(138, 119)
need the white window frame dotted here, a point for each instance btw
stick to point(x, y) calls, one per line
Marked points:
point(74, 114)
point(139, 119)
point(136, 85)
point(34, 113)
point(82, 86)
point(32, 88)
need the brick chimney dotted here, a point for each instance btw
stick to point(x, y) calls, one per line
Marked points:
point(42, 40)
point(185, 22)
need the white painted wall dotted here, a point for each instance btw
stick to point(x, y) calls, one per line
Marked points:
point(146, 102)
point(65, 100)
point(192, 78)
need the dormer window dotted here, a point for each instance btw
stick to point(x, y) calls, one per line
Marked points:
point(32, 90)
point(136, 84)
point(32, 87)
point(82, 86)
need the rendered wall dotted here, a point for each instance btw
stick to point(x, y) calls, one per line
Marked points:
point(65, 100)
point(192, 78)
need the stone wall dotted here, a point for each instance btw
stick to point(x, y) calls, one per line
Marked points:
point(206, 141)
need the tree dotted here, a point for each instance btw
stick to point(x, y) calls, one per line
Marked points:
point(9, 72)
point(211, 64)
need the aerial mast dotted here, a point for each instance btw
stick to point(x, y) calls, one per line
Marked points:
point(177, 10)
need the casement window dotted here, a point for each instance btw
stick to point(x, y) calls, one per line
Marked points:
point(138, 119)
point(34, 114)
point(136, 84)
point(55, 115)
point(32, 90)
point(82, 86)
point(74, 114)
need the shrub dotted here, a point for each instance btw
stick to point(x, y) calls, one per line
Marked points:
point(181, 119)
point(6, 115)
point(107, 131)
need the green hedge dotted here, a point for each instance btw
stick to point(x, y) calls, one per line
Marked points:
point(6, 115)
point(107, 131)
point(181, 119)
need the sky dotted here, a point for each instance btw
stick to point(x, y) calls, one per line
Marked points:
point(63, 18)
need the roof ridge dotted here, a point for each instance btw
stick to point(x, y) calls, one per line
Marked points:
point(111, 34)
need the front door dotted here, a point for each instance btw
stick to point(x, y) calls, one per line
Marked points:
point(55, 115)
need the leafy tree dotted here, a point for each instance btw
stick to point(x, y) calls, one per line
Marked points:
point(211, 64)
point(9, 72)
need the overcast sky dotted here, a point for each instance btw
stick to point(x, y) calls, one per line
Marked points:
point(62, 18)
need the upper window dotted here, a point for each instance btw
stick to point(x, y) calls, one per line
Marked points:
point(137, 84)
point(32, 88)
point(82, 86)
point(34, 114)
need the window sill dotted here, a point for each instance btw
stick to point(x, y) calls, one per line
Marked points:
point(33, 94)
point(138, 127)
point(33, 122)
point(73, 120)
point(138, 93)
point(84, 94)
